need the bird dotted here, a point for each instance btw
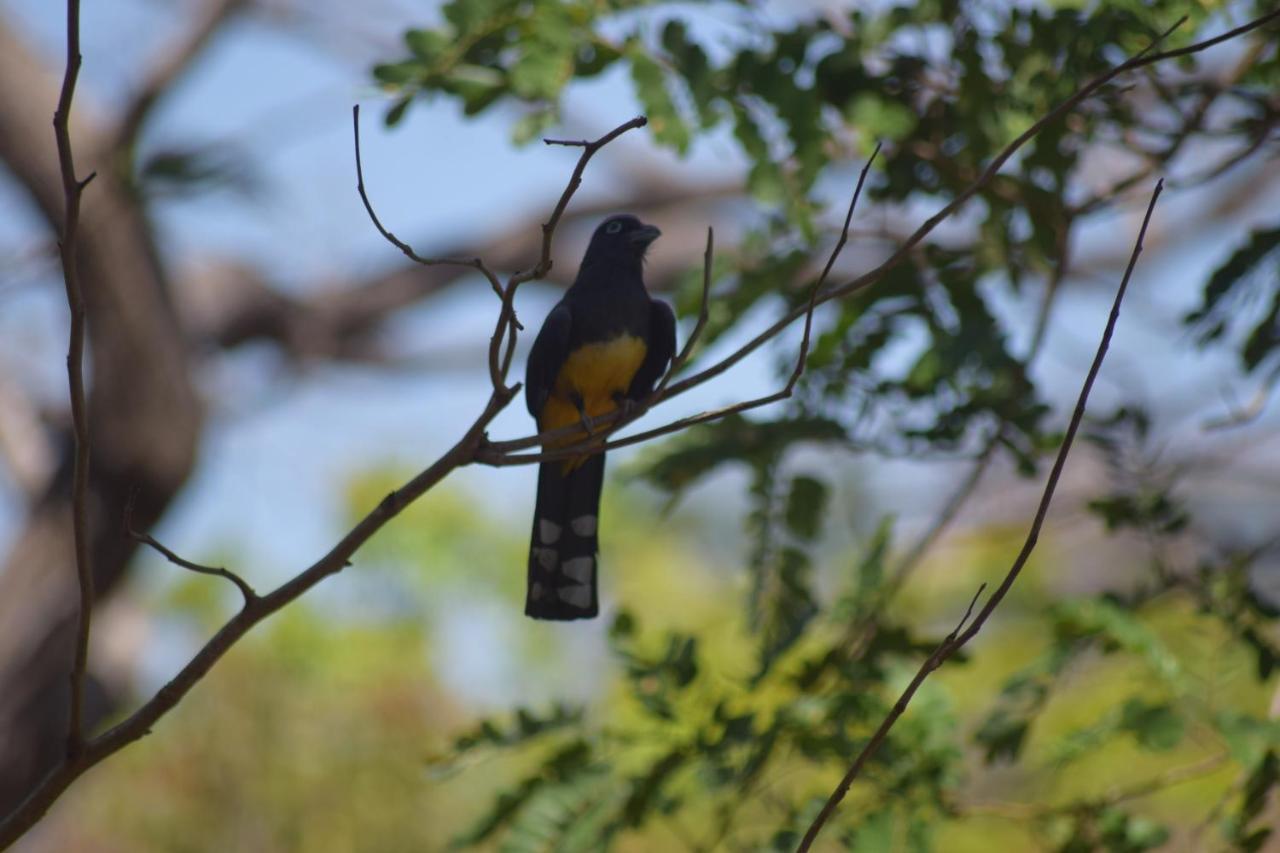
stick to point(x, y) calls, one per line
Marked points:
point(602, 347)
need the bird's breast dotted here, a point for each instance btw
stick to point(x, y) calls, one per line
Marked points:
point(595, 372)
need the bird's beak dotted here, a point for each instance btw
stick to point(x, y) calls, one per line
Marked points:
point(644, 235)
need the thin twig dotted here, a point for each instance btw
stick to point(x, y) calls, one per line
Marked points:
point(71, 190)
point(506, 326)
point(147, 539)
point(704, 312)
point(474, 263)
point(958, 638)
point(589, 149)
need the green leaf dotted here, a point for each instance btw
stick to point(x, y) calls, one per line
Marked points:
point(1118, 630)
point(542, 69)
point(396, 74)
point(646, 789)
point(565, 766)
point(691, 62)
point(806, 507)
point(880, 118)
point(532, 125)
point(1002, 735)
point(665, 121)
point(1157, 726)
point(396, 113)
point(527, 726)
point(1226, 280)
point(696, 453)
point(1247, 737)
point(427, 45)
point(785, 604)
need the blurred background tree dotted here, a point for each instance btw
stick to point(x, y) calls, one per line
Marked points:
point(810, 556)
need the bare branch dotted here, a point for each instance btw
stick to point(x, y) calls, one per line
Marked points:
point(589, 150)
point(507, 324)
point(147, 539)
point(176, 61)
point(962, 635)
point(704, 312)
point(72, 188)
point(474, 263)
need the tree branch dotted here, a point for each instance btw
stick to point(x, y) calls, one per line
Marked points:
point(475, 263)
point(147, 539)
point(72, 187)
point(507, 323)
point(962, 635)
point(704, 313)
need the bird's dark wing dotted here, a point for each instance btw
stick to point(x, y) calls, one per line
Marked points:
point(550, 349)
point(661, 348)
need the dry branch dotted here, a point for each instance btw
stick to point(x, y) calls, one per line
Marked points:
point(962, 635)
point(72, 188)
point(147, 539)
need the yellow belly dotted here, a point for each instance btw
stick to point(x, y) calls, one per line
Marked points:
point(596, 373)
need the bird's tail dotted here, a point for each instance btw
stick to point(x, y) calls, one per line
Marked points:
point(562, 555)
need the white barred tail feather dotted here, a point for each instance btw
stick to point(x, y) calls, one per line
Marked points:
point(563, 553)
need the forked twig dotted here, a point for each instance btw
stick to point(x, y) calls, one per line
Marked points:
point(962, 635)
point(500, 365)
point(474, 263)
point(147, 539)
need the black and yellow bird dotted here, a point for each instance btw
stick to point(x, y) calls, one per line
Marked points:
point(604, 344)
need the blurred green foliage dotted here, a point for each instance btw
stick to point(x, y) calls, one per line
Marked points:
point(1110, 721)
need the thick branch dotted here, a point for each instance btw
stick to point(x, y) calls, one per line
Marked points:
point(962, 635)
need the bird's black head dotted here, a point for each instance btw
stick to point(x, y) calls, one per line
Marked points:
point(620, 239)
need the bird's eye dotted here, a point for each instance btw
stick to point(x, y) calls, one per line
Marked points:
point(613, 228)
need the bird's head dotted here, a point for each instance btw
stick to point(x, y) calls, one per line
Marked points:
point(620, 239)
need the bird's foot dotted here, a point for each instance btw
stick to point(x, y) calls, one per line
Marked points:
point(582, 416)
point(626, 407)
